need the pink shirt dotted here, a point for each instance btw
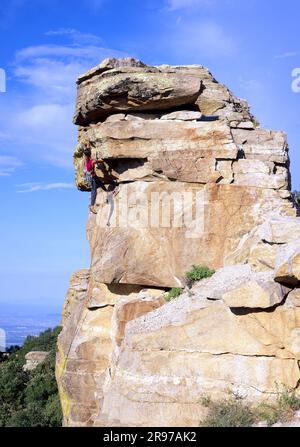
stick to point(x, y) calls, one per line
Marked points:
point(90, 167)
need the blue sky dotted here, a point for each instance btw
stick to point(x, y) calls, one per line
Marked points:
point(252, 46)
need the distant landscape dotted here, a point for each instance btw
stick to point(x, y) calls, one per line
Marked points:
point(29, 397)
point(17, 328)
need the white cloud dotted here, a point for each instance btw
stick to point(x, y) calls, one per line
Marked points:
point(56, 79)
point(37, 123)
point(8, 165)
point(95, 4)
point(53, 69)
point(287, 55)
point(186, 6)
point(87, 52)
point(47, 128)
point(33, 187)
point(174, 5)
point(251, 85)
point(77, 36)
point(199, 39)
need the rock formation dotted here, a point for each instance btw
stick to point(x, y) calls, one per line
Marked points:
point(34, 359)
point(199, 183)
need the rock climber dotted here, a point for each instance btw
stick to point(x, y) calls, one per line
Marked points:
point(96, 181)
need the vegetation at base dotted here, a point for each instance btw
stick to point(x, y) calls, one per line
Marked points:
point(30, 398)
point(173, 293)
point(235, 412)
point(280, 411)
point(228, 413)
point(198, 272)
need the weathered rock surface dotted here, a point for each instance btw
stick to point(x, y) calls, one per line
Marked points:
point(240, 287)
point(34, 359)
point(198, 183)
point(182, 116)
point(135, 89)
point(194, 346)
point(173, 241)
point(262, 144)
point(129, 85)
point(288, 264)
point(85, 344)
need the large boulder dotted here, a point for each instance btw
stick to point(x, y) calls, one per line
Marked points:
point(135, 89)
point(159, 229)
point(34, 359)
point(194, 347)
point(288, 264)
point(241, 287)
point(128, 85)
point(268, 246)
point(196, 182)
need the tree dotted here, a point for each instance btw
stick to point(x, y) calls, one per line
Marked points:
point(30, 399)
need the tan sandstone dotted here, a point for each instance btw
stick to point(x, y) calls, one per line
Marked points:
point(198, 182)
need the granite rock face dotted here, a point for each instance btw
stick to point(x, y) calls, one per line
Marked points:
point(196, 183)
point(130, 86)
point(194, 347)
point(86, 344)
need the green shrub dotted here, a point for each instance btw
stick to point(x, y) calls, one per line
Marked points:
point(30, 399)
point(288, 402)
point(234, 412)
point(5, 413)
point(197, 273)
point(42, 385)
point(282, 410)
point(268, 413)
point(30, 416)
point(52, 412)
point(205, 401)
point(46, 341)
point(229, 413)
point(13, 381)
point(173, 293)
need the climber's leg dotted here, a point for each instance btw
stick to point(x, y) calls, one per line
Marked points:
point(96, 183)
point(94, 191)
point(93, 196)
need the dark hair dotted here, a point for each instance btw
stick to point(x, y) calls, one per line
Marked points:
point(87, 152)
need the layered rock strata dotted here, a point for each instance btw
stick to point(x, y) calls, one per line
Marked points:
point(198, 182)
